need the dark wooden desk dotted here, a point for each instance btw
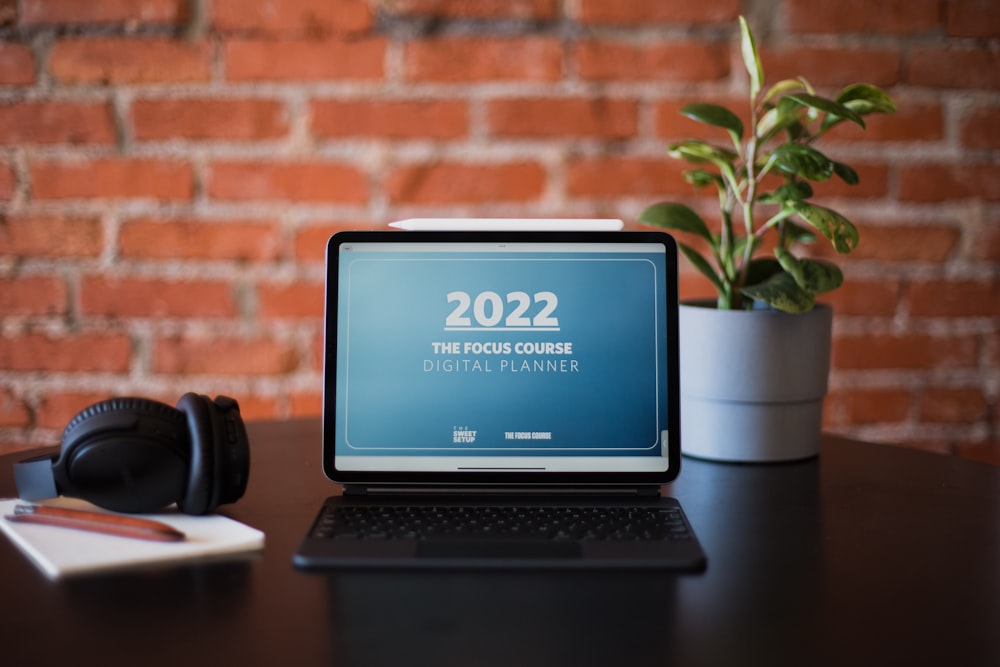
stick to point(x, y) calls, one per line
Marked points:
point(870, 555)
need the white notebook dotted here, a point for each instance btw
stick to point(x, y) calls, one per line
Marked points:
point(62, 552)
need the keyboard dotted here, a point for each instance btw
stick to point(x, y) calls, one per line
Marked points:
point(580, 524)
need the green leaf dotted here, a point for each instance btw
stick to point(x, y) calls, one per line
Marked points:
point(814, 276)
point(783, 88)
point(751, 60)
point(827, 106)
point(700, 263)
point(792, 120)
point(791, 191)
point(776, 119)
point(846, 173)
point(671, 215)
point(761, 269)
point(699, 152)
point(864, 99)
point(803, 161)
point(792, 233)
point(838, 229)
point(715, 115)
point(781, 292)
point(701, 178)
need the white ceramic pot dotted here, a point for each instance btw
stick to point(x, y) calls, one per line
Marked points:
point(753, 382)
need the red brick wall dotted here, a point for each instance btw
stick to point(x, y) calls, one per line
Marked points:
point(170, 170)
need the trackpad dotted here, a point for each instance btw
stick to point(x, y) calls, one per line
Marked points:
point(497, 549)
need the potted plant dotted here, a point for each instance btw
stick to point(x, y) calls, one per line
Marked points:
point(755, 362)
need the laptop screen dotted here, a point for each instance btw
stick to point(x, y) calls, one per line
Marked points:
point(518, 357)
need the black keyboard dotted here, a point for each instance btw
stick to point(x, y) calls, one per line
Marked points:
point(527, 523)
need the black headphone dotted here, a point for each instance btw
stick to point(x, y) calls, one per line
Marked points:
point(138, 455)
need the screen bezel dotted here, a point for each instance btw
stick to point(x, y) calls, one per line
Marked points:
point(506, 479)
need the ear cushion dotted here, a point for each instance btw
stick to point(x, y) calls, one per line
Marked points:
point(220, 453)
point(234, 451)
point(202, 494)
point(125, 454)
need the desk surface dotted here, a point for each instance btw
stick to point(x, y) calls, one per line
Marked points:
point(870, 555)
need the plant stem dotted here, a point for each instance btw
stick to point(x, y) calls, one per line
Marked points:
point(751, 194)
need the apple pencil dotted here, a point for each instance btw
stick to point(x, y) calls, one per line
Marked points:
point(96, 522)
point(508, 224)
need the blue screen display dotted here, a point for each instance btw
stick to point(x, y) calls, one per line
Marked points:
point(496, 351)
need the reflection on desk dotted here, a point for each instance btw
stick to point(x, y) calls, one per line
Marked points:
point(869, 555)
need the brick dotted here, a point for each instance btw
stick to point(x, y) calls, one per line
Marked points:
point(913, 121)
point(471, 60)
point(390, 119)
point(693, 285)
point(626, 176)
point(597, 117)
point(51, 236)
point(299, 181)
point(296, 300)
point(112, 60)
point(310, 242)
point(297, 17)
point(644, 12)
point(17, 64)
point(78, 352)
point(318, 350)
point(57, 409)
point(540, 10)
point(824, 66)
point(683, 61)
point(304, 404)
point(14, 411)
point(873, 182)
point(981, 128)
point(953, 406)
point(259, 407)
point(865, 298)
point(955, 298)
point(8, 183)
point(56, 123)
point(229, 119)
point(62, 12)
point(904, 351)
point(863, 16)
point(141, 297)
point(954, 67)
point(673, 125)
point(158, 238)
point(219, 355)
point(297, 60)
point(907, 243)
point(940, 182)
point(972, 18)
point(112, 178)
point(33, 296)
point(875, 406)
point(448, 183)
point(984, 241)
